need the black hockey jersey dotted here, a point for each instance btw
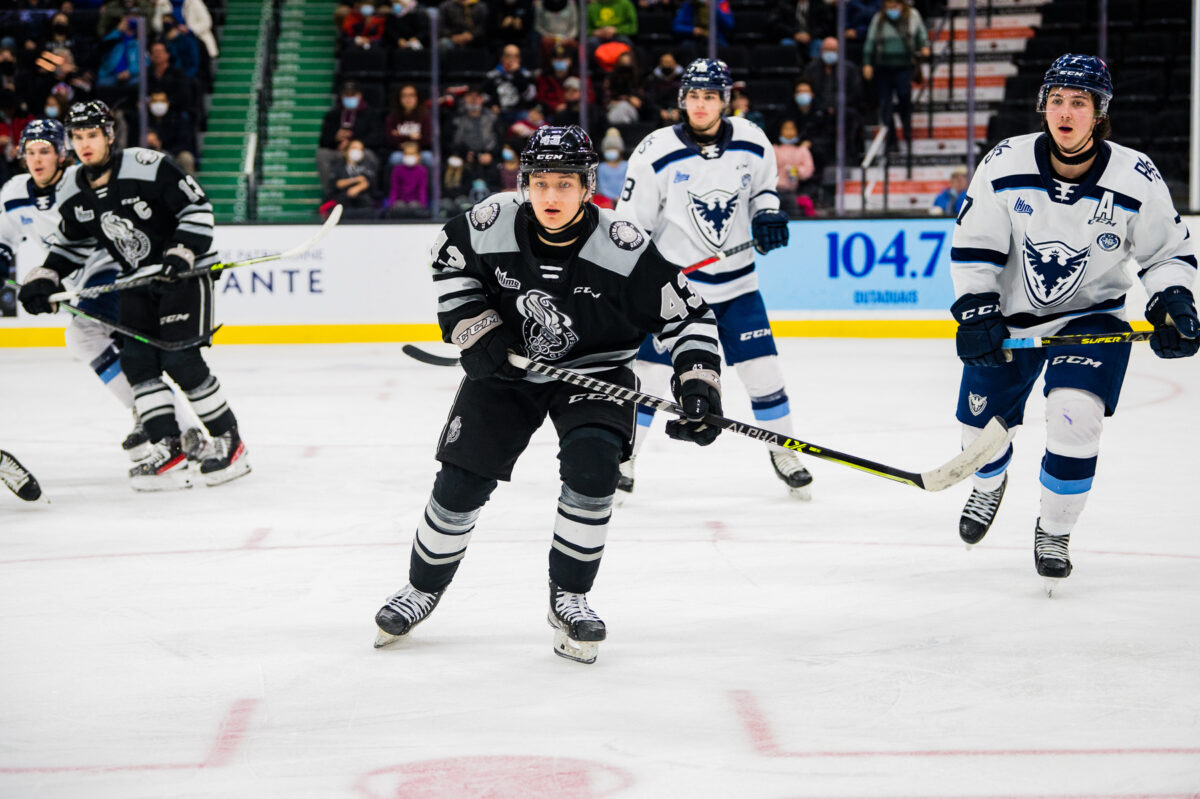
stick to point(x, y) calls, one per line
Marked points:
point(148, 206)
point(589, 313)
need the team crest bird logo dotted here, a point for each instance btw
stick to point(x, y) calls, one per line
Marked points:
point(546, 329)
point(133, 244)
point(1053, 271)
point(712, 213)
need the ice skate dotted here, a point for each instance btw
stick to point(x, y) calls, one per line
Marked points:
point(1051, 556)
point(137, 444)
point(18, 478)
point(197, 446)
point(577, 629)
point(227, 461)
point(789, 469)
point(625, 481)
point(164, 469)
point(404, 610)
point(979, 512)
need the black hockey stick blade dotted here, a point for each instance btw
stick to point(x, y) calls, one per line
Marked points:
point(981, 451)
point(157, 343)
point(1038, 342)
point(18, 478)
point(421, 355)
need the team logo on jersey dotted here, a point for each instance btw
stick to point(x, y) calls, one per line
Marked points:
point(1104, 211)
point(84, 214)
point(976, 403)
point(483, 217)
point(1108, 241)
point(45, 202)
point(453, 430)
point(1022, 207)
point(147, 157)
point(625, 235)
point(712, 214)
point(1053, 271)
point(142, 209)
point(507, 282)
point(546, 329)
point(133, 244)
point(1063, 190)
point(26, 220)
point(746, 180)
point(681, 177)
point(998, 150)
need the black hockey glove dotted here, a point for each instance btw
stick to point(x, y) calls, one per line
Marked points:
point(981, 330)
point(770, 230)
point(6, 262)
point(485, 348)
point(176, 261)
point(698, 390)
point(1178, 340)
point(35, 294)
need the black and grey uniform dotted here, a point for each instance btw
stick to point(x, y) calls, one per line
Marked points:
point(150, 206)
point(584, 307)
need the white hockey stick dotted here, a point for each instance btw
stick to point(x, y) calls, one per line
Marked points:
point(980, 452)
point(96, 291)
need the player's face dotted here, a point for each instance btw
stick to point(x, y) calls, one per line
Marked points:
point(1070, 115)
point(556, 197)
point(41, 161)
point(91, 145)
point(704, 107)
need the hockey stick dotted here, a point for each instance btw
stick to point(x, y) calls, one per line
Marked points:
point(421, 355)
point(137, 282)
point(1082, 338)
point(721, 256)
point(17, 478)
point(958, 468)
point(157, 343)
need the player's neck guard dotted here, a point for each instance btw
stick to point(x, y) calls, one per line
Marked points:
point(564, 235)
point(94, 173)
point(41, 191)
point(1081, 156)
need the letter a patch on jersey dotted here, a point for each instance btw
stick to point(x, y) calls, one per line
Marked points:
point(1053, 271)
point(712, 214)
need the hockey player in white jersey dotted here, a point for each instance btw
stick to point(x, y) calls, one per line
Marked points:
point(701, 187)
point(31, 214)
point(1039, 248)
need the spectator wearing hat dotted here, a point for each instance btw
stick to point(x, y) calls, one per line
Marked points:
point(569, 115)
point(610, 174)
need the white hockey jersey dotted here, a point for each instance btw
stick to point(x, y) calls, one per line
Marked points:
point(31, 215)
point(698, 200)
point(1055, 250)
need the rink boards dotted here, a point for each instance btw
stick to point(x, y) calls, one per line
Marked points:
point(370, 283)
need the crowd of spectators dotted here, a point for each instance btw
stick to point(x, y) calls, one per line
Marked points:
point(636, 51)
point(55, 54)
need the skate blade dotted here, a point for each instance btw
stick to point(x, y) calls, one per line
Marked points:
point(1051, 583)
point(382, 638)
point(802, 493)
point(239, 468)
point(171, 481)
point(578, 651)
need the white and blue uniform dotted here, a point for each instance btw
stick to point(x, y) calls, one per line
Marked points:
point(1055, 251)
point(696, 200)
point(31, 218)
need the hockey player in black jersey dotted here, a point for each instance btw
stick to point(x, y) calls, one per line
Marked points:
point(154, 219)
point(548, 275)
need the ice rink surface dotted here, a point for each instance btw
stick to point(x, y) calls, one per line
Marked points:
point(217, 642)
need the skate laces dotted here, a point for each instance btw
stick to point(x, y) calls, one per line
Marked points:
point(981, 505)
point(573, 607)
point(411, 602)
point(787, 464)
point(1051, 547)
point(12, 474)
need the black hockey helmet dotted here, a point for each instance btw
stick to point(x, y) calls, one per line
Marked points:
point(1086, 72)
point(92, 114)
point(554, 149)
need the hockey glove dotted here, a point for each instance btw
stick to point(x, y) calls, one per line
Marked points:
point(149, 270)
point(35, 294)
point(484, 348)
point(176, 261)
point(6, 262)
point(770, 230)
point(698, 390)
point(981, 330)
point(1180, 339)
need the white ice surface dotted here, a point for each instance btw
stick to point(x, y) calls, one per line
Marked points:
point(217, 642)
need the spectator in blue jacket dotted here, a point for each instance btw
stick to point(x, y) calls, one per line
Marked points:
point(691, 22)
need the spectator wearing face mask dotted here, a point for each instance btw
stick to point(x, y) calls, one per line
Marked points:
point(474, 125)
point(550, 91)
point(484, 175)
point(623, 92)
point(821, 75)
point(814, 127)
point(510, 167)
point(164, 76)
point(610, 174)
point(171, 131)
point(61, 39)
point(572, 95)
point(353, 183)
point(409, 194)
point(55, 107)
point(896, 42)
point(191, 17)
point(363, 28)
point(349, 119)
point(796, 167)
point(408, 121)
point(456, 185)
point(407, 26)
point(182, 45)
point(662, 89)
point(114, 11)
